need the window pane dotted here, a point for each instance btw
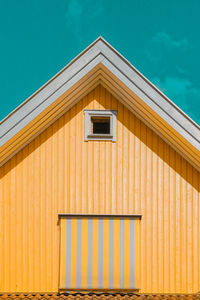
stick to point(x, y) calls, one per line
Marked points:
point(100, 125)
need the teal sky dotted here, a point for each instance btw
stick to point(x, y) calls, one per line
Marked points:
point(159, 37)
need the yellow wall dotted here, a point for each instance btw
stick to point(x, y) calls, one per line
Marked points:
point(60, 173)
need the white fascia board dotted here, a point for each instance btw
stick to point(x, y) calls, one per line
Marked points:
point(41, 100)
point(101, 51)
point(166, 112)
point(154, 98)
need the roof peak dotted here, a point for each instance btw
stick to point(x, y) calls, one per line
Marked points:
point(100, 61)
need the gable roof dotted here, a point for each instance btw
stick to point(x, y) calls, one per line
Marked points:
point(100, 63)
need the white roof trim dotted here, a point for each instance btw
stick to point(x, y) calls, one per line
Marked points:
point(100, 51)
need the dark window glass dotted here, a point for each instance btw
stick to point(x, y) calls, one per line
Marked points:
point(100, 125)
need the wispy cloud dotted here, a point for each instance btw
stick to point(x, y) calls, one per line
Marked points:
point(81, 13)
point(166, 58)
point(183, 92)
point(166, 40)
point(162, 45)
point(74, 11)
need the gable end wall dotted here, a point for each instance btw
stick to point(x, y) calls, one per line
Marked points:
point(59, 172)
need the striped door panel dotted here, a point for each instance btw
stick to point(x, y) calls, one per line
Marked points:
point(99, 253)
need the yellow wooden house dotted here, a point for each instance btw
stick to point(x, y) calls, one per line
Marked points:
point(100, 185)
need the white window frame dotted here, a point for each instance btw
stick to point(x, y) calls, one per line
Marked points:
point(89, 136)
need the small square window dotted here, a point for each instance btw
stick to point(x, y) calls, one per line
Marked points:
point(100, 125)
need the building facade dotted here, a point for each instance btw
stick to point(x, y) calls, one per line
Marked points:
point(100, 185)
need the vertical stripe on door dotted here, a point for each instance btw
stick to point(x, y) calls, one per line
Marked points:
point(111, 254)
point(63, 253)
point(84, 252)
point(121, 254)
point(95, 254)
point(89, 252)
point(100, 253)
point(79, 254)
point(116, 253)
point(126, 253)
point(68, 254)
point(105, 253)
point(73, 252)
point(132, 254)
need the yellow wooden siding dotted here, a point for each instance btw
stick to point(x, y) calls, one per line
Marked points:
point(60, 173)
